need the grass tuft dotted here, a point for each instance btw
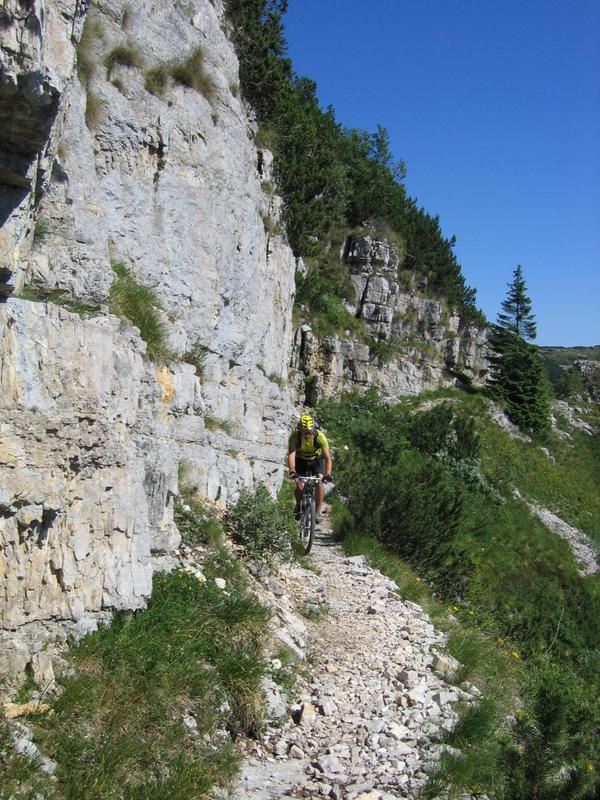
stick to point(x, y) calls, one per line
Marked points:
point(156, 81)
point(216, 424)
point(41, 229)
point(197, 356)
point(93, 109)
point(36, 295)
point(139, 305)
point(192, 73)
point(264, 526)
point(86, 63)
point(125, 54)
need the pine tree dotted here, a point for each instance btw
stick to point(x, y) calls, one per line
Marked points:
point(517, 376)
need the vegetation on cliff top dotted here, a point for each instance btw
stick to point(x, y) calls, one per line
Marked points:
point(330, 176)
point(439, 495)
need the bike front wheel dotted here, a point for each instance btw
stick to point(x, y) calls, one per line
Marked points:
point(307, 524)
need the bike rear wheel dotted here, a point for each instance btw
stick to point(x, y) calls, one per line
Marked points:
point(307, 523)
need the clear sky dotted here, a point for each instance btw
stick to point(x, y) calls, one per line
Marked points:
point(495, 108)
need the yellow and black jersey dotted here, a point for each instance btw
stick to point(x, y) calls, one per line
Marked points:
point(308, 448)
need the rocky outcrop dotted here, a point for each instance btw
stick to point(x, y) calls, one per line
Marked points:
point(37, 56)
point(411, 342)
point(92, 429)
point(123, 139)
point(590, 378)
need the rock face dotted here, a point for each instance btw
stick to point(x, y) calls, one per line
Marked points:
point(92, 429)
point(123, 139)
point(412, 343)
point(590, 376)
point(37, 56)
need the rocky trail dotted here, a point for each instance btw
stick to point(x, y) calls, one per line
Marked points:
point(367, 714)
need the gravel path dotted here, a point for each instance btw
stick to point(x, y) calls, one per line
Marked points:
point(369, 716)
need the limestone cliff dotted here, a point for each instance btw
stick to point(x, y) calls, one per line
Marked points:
point(123, 138)
point(411, 341)
point(92, 429)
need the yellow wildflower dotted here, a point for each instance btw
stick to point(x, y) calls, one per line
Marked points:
point(590, 767)
point(515, 654)
point(500, 641)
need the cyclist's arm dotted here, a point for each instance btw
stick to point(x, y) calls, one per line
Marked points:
point(327, 456)
point(291, 456)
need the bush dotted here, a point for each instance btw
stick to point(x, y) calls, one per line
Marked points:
point(138, 304)
point(196, 524)
point(264, 526)
point(442, 431)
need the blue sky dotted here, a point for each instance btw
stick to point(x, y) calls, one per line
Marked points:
point(495, 108)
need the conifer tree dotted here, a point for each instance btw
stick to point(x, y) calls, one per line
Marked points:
point(517, 376)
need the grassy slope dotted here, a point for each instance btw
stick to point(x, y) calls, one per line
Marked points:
point(118, 729)
point(524, 602)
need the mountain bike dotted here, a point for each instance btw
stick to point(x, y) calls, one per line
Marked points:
point(307, 511)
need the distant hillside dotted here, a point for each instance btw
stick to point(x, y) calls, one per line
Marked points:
point(555, 358)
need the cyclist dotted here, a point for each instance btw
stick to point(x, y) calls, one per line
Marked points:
point(308, 454)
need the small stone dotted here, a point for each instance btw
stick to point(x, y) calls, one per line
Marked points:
point(281, 748)
point(221, 583)
point(191, 724)
point(296, 752)
point(308, 714)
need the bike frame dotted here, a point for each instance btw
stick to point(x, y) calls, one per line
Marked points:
point(308, 510)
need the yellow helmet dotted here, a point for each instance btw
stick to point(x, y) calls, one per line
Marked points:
point(307, 423)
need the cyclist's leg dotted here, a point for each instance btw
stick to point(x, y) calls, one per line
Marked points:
point(319, 488)
point(301, 469)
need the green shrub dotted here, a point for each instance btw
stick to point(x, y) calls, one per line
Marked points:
point(383, 349)
point(126, 55)
point(443, 431)
point(191, 73)
point(264, 526)
point(138, 304)
point(552, 750)
point(41, 229)
point(196, 524)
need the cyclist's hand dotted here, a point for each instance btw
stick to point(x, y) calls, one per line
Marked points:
point(327, 478)
point(293, 475)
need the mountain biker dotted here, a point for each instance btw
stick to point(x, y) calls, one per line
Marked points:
point(308, 454)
